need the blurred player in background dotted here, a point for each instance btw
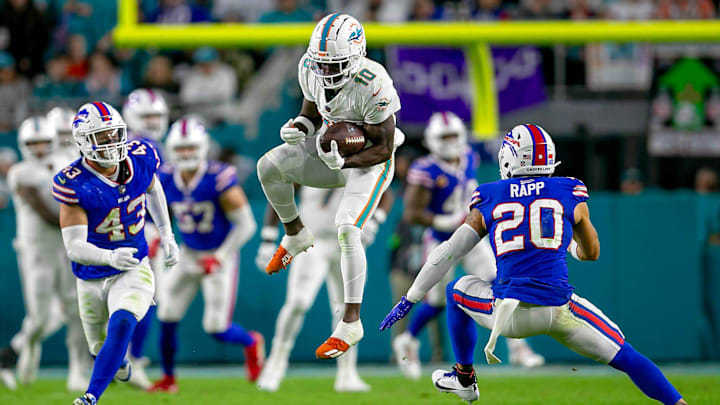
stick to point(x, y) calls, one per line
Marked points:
point(339, 84)
point(146, 114)
point(215, 220)
point(48, 283)
point(61, 119)
point(307, 274)
point(104, 197)
point(439, 186)
point(534, 220)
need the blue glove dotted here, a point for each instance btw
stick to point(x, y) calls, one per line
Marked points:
point(399, 311)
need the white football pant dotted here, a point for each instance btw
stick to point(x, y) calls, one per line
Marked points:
point(98, 299)
point(180, 285)
point(578, 324)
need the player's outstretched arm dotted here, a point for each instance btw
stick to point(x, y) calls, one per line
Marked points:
point(158, 208)
point(237, 210)
point(440, 260)
point(382, 136)
point(74, 224)
point(31, 196)
point(587, 245)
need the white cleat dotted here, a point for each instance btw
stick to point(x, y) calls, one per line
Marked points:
point(77, 380)
point(527, 358)
point(272, 375)
point(351, 383)
point(125, 371)
point(8, 378)
point(407, 354)
point(139, 378)
point(447, 382)
point(29, 363)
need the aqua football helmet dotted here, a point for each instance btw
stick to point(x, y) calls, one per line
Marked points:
point(36, 138)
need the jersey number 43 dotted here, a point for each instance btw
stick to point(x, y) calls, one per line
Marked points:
point(539, 209)
point(113, 226)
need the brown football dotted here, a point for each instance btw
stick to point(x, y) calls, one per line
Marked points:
point(350, 138)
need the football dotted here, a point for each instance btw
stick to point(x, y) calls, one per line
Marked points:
point(350, 138)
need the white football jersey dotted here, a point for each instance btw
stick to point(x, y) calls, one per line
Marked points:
point(317, 210)
point(369, 98)
point(30, 226)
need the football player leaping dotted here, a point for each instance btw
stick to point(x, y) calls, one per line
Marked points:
point(215, 221)
point(146, 114)
point(533, 221)
point(338, 84)
point(103, 198)
point(439, 186)
point(48, 284)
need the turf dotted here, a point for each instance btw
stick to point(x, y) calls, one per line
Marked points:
point(496, 390)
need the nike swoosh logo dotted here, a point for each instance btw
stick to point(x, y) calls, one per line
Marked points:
point(445, 388)
point(378, 91)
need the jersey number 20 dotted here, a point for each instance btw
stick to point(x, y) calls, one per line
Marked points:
point(552, 207)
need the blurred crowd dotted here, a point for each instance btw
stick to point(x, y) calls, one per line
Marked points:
point(62, 49)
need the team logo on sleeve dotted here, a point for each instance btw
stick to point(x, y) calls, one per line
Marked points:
point(382, 103)
point(475, 198)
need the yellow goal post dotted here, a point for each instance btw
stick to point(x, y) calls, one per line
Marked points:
point(474, 37)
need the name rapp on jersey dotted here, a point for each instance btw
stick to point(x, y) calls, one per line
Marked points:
point(526, 188)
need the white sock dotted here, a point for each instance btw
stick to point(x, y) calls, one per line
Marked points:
point(298, 243)
point(350, 333)
point(353, 262)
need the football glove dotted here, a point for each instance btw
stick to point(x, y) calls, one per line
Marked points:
point(399, 311)
point(290, 134)
point(332, 159)
point(170, 248)
point(210, 264)
point(122, 259)
point(265, 253)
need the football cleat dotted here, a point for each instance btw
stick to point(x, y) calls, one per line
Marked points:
point(77, 381)
point(87, 399)
point(447, 382)
point(521, 354)
point(290, 246)
point(255, 357)
point(139, 378)
point(8, 360)
point(166, 384)
point(406, 348)
point(345, 336)
point(125, 371)
point(29, 363)
point(273, 373)
point(350, 383)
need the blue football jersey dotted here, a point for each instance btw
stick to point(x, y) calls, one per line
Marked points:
point(115, 210)
point(449, 185)
point(196, 206)
point(155, 144)
point(529, 221)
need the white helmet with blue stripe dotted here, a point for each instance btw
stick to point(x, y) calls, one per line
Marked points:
point(100, 133)
point(187, 143)
point(146, 113)
point(36, 138)
point(336, 50)
point(527, 150)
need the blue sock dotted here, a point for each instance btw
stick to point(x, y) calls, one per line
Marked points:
point(235, 334)
point(112, 354)
point(422, 315)
point(645, 374)
point(463, 333)
point(137, 342)
point(168, 346)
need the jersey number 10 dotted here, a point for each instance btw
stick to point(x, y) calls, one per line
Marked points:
point(518, 217)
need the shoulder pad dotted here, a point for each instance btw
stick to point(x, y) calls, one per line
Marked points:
point(145, 152)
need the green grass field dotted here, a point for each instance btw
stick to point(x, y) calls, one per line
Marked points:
point(523, 388)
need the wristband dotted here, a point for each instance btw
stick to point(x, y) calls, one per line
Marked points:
point(269, 233)
point(305, 121)
point(573, 250)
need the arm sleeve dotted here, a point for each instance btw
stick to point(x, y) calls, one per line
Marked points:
point(441, 259)
point(79, 250)
point(244, 227)
point(158, 208)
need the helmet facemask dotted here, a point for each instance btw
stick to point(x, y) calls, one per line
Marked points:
point(38, 149)
point(188, 156)
point(106, 147)
point(334, 72)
